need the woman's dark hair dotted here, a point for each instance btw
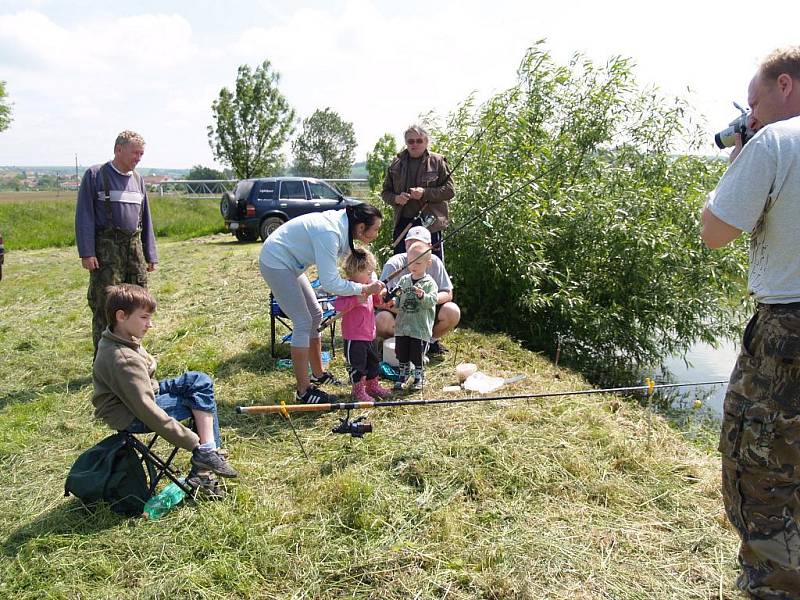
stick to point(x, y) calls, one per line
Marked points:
point(360, 213)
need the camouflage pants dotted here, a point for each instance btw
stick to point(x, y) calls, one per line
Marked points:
point(121, 261)
point(760, 446)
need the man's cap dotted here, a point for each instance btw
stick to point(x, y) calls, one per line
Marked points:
point(419, 233)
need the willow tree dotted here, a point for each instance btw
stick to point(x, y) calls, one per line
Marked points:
point(5, 108)
point(599, 251)
point(379, 159)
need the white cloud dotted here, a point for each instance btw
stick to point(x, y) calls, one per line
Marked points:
point(76, 83)
point(102, 75)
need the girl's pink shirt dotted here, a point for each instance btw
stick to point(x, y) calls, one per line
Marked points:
point(358, 322)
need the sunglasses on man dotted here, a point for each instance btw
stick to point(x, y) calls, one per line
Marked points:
point(412, 141)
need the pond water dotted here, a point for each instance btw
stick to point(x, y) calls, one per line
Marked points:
point(705, 363)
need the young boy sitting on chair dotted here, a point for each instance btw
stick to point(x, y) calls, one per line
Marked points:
point(128, 398)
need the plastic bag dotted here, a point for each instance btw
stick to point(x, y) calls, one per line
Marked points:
point(482, 383)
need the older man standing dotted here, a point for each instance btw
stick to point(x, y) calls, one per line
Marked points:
point(113, 228)
point(417, 184)
point(448, 314)
point(760, 440)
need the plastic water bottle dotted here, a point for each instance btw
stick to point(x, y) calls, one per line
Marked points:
point(161, 503)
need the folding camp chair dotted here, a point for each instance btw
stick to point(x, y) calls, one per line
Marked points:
point(157, 467)
point(277, 315)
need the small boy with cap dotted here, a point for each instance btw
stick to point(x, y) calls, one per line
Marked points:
point(416, 312)
point(448, 313)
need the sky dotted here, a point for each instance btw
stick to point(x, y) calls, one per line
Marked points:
point(79, 72)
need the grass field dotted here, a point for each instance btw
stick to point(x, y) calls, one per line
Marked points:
point(31, 220)
point(573, 498)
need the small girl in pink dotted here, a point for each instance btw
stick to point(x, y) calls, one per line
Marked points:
point(358, 329)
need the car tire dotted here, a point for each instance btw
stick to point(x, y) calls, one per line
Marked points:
point(269, 225)
point(228, 206)
point(245, 235)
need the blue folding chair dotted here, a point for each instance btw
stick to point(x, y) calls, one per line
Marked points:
point(277, 315)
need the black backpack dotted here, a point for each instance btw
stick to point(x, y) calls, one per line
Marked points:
point(110, 471)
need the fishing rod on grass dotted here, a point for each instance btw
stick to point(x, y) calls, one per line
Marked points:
point(359, 427)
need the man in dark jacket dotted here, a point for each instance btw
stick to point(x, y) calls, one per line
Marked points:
point(418, 185)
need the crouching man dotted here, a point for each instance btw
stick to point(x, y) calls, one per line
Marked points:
point(447, 312)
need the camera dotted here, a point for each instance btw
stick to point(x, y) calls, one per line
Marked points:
point(727, 137)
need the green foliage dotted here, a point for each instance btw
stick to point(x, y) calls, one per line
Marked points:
point(5, 108)
point(43, 220)
point(599, 252)
point(201, 172)
point(326, 147)
point(511, 500)
point(379, 159)
point(252, 124)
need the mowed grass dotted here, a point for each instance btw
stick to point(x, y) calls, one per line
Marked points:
point(565, 498)
point(31, 220)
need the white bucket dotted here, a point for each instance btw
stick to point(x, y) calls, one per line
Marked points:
point(464, 370)
point(388, 352)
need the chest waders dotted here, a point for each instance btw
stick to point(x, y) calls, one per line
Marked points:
point(120, 256)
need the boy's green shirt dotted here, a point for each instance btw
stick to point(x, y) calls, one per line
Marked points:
point(415, 316)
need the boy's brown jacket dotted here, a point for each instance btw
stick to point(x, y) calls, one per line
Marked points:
point(432, 176)
point(124, 389)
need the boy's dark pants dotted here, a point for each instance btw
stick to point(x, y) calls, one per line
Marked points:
point(409, 349)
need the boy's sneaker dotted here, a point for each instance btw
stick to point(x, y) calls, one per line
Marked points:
point(417, 384)
point(437, 348)
point(205, 485)
point(326, 378)
point(315, 396)
point(213, 461)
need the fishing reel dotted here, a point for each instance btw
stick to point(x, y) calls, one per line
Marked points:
point(389, 296)
point(427, 220)
point(357, 428)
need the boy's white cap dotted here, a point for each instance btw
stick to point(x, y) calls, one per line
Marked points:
point(419, 233)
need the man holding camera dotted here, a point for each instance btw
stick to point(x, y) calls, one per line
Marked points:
point(760, 439)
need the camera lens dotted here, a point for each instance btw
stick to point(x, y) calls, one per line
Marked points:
point(726, 138)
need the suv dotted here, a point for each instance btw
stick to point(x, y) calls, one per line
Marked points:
point(259, 206)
